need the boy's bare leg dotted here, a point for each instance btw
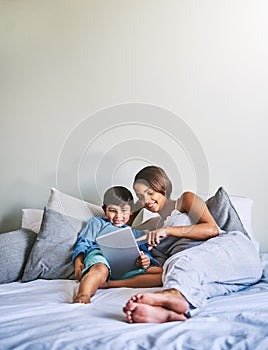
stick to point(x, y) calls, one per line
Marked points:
point(152, 278)
point(168, 305)
point(91, 282)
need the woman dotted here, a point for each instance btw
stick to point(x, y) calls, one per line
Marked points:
point(215, 264)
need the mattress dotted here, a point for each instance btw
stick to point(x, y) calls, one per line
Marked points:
point(39, 315)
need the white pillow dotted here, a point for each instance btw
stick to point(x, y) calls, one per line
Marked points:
point(32, 219)
point(143, 216)
point(243, 207)
point(61, 203)
point(72, 206)
point(145, 220)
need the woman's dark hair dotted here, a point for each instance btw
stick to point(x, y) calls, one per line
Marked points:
point(155, 178)
point(117, 195)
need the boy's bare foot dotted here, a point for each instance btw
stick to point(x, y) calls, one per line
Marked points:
point(165, 306)
point(83, 299)
point(143, 313)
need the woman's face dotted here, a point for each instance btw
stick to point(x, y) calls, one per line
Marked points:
point(149, 199)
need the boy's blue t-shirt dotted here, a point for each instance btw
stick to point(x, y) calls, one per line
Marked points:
point(96, 227)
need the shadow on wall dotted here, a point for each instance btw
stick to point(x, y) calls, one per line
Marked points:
point(11, 222)
point(21, 194)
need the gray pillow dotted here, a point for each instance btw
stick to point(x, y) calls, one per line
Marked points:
point(51, 255)
point(15, 248)
point(224, 212)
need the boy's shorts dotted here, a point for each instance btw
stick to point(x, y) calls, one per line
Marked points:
point(93, 258)
point(96, 257)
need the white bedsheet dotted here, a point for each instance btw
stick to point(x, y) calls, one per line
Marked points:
point(39, 315)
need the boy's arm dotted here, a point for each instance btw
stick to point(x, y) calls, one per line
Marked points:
point(83, 246)
point(86, 240)
point(79, 266)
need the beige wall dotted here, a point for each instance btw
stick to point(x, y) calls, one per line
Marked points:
point(202, 61)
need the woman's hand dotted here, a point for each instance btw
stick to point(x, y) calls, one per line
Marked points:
point(143, 261)
point(154, 237)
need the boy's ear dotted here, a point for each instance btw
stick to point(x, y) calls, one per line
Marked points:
point(104, 208)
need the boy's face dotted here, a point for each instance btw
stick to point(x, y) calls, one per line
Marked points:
point(118, 215)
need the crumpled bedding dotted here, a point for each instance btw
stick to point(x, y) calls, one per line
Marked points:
point(40, 315)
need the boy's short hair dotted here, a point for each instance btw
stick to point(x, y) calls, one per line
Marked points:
point(117, 195)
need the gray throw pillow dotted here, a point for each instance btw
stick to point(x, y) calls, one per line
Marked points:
point(224, 213)
point(51, 255)
point(15, 248)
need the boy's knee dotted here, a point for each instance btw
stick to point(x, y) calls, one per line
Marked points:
point(100, 267)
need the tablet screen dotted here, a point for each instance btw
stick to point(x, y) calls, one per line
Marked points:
point(120, 249)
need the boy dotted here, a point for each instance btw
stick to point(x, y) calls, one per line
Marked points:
point(89, 263)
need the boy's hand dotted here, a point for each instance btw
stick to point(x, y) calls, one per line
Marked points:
point(78, 267)
point(143, 261)
point(78, 270)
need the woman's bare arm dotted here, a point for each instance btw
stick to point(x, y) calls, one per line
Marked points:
point(204, 228)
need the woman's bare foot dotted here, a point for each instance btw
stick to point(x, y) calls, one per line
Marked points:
point(142, 313)
point(165, 306)
point(167, 299)
point(83, 299)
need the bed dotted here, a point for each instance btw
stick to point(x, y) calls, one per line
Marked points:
point(37, 289)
